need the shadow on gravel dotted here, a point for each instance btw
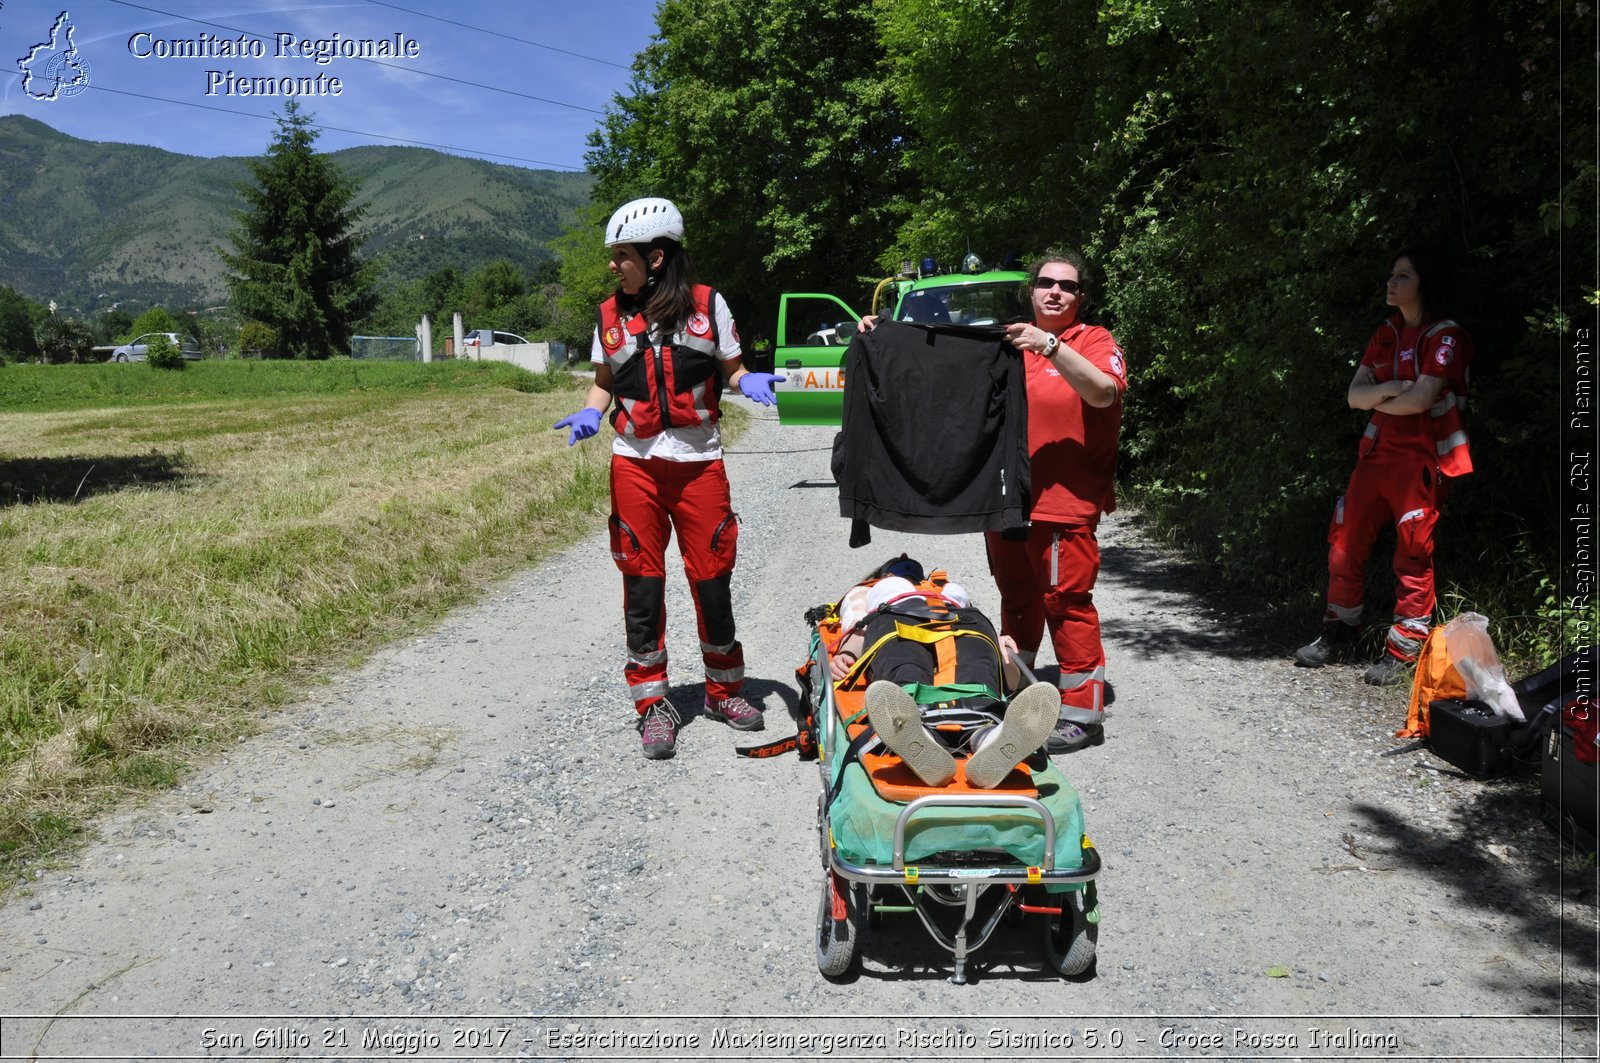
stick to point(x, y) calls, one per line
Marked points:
point(70, 479)
point(899, 949)
point(1470, 877)
point(1180, 604)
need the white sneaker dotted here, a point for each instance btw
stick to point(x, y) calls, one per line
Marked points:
point(1029, 719)
point(898, 721)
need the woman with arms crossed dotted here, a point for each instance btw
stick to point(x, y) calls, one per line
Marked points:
point(1413, 377)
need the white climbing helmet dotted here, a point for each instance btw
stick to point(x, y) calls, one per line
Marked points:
point(644, 220)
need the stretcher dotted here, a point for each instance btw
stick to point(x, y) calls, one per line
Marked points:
point(963, 860)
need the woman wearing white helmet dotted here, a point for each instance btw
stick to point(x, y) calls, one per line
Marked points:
point(663, 349)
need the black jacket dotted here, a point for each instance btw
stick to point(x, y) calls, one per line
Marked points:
point(935, 432)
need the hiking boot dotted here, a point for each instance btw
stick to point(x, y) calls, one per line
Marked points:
point(1028, 721)
point(1069, 736)
point(658, 726)
point(898, 721)
point(1389, 671)
point(736, 713)
point(1335, 640)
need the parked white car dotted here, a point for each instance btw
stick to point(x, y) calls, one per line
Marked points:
point(135, 350)
point(484, 337)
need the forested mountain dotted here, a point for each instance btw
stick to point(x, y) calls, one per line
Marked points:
point(90, 224)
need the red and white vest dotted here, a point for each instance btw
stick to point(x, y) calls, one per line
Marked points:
point(1449, 433)
point(675, 384)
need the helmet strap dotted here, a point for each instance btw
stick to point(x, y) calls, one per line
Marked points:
point(652, 274)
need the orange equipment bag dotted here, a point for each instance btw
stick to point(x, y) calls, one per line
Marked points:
point(1437, 679)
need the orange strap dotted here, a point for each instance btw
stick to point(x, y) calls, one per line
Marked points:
point(944, 662)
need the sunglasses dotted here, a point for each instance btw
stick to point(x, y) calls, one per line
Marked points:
point(1044, 284)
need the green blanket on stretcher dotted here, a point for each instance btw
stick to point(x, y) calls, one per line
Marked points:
point(863, 826)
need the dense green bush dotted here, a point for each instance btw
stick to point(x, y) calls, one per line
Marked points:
point(63, 339)
point(163, 353)
point(256, 340)
point(18, 318)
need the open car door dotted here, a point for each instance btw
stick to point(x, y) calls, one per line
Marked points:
point(814, 330)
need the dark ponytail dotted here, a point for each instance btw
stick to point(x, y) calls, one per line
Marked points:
point(668, 296)
point(1435, 280)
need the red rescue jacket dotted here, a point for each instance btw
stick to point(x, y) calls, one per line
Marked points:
point(1444, 341)
point(675, 384)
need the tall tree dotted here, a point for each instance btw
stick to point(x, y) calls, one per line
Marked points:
point(296, 262)
point(770, 124)
point(155, 319)
point(494, 296)
point(18, 317)
point(585, 281)
point(1240, 173)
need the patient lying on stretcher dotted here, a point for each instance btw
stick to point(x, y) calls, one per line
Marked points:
point(935, 667)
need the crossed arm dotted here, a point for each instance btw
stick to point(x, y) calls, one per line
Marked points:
point(1392, 396)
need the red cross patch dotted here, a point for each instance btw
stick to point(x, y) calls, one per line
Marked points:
point(612, 338)
point(699, 325)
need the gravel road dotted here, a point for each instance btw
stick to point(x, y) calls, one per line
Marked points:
point(456, 851)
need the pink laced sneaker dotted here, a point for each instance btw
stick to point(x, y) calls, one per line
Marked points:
point(735, 712)
point(658, 727)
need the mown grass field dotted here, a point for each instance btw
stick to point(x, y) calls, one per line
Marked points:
point(76, 387)
point(174, 558)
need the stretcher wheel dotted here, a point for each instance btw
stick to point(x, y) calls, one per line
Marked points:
point(1069, 937)
point(837, 940)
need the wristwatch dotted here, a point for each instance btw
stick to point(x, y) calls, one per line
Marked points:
point(1050, 345)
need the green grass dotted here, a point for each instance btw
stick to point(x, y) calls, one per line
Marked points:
point(170, 568)
point(76, 387)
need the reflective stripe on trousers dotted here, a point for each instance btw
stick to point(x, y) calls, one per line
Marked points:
point(1083, 695)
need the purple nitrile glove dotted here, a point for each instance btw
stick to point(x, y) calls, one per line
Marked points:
point(757, 387)
point(584, 423)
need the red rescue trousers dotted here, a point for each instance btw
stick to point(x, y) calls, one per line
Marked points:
point(649, 499)
point(1406, 495)
point(1048, 581)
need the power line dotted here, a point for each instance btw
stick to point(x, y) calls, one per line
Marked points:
point(501, 34)
point(365, 59)
point(332, 128)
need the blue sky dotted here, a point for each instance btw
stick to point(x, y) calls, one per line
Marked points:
point(513, 81)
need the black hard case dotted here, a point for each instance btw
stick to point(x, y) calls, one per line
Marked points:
point(1469, 735)
point(1569, 791)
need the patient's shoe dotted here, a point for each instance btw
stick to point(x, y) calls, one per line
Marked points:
point(1028, 721)
point(898, 721)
